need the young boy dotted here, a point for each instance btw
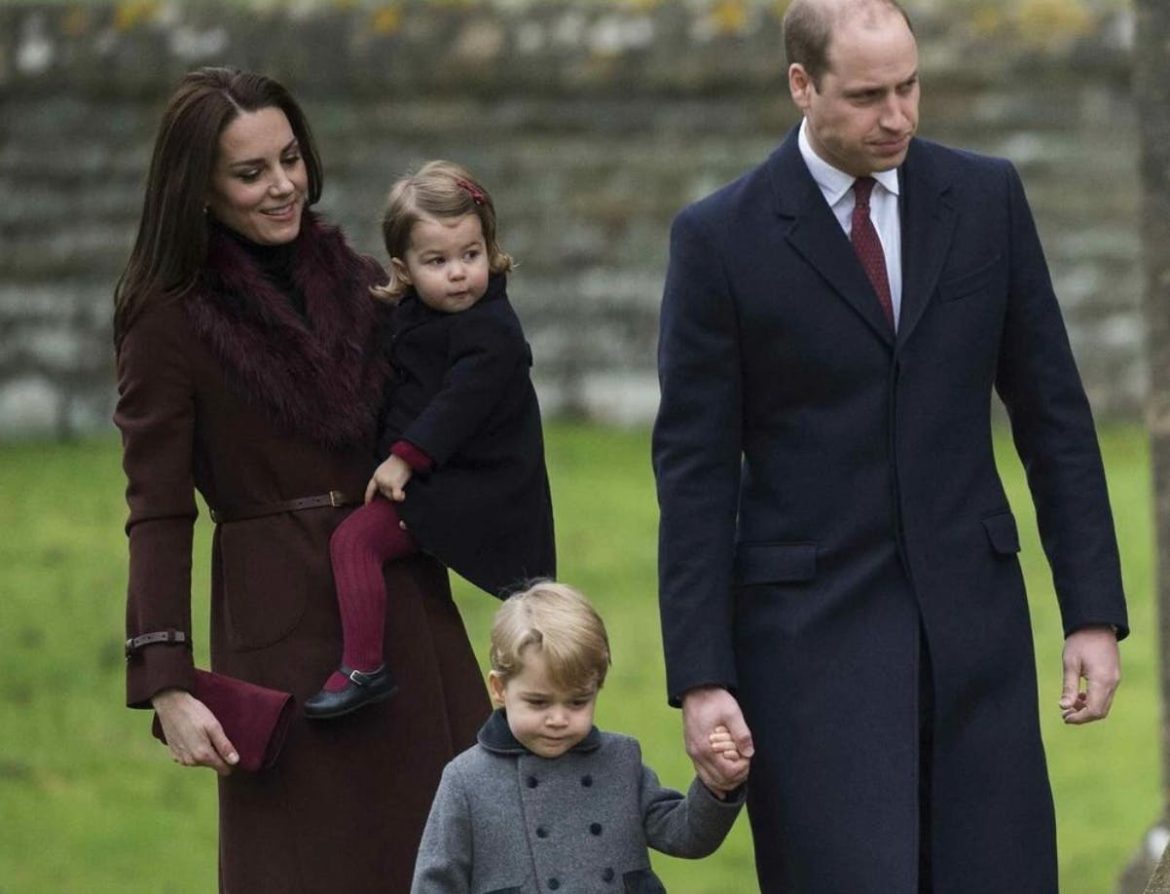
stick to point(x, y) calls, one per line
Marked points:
point(546, 801)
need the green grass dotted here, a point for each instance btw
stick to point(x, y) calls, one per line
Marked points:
point(91, 803)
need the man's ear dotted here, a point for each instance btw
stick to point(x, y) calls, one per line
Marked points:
point(496, 688)
point(800, 85)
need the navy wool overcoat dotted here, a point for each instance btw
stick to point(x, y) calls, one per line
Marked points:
point(830, 502)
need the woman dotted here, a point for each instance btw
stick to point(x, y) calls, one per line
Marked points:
point(247, 369)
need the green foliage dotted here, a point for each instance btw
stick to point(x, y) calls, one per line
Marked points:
point(91, 803)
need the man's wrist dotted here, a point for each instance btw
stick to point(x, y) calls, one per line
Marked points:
point(1103, 627)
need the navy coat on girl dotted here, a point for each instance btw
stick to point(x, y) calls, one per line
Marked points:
point(462, 394)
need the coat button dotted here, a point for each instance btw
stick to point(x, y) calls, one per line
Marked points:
point(531, 781)
point(607, 876)
point(595, 828)
point(553, 884)
point(587, 780)
point(541, 832)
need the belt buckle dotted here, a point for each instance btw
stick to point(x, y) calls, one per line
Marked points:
point(336, 499)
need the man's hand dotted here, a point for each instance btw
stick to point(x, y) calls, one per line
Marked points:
point(1090, 654)
point(704, 710)
point(390, 480)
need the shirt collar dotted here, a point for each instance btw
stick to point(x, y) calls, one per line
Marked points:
point(835, 183)
point(496, 736)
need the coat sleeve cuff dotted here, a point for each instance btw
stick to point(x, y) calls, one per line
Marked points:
point(732, 800)
point(155, 668)
point(413, 456)
point(1121, 631)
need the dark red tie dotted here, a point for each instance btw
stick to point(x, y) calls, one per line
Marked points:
point(869, 247)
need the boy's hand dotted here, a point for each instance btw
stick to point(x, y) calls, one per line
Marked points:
point(722, 743)
point(390, 479)
point(707, 708)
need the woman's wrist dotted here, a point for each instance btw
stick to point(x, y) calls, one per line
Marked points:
point(166, 697)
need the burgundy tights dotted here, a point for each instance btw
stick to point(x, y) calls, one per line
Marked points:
point(361, 545)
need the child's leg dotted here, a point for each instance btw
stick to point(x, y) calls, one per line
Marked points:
point(361, 545)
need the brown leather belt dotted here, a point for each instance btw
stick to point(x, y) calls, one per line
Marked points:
point(334, 498)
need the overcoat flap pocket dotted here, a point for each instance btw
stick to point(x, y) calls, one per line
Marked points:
point(1001, 531)
point(968, 281)
point(504, 891)
point(769, 563)
point(642, 881)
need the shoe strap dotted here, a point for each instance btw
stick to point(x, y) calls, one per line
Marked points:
point(362, 678)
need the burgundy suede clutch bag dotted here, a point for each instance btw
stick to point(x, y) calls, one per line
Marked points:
point(254, 718)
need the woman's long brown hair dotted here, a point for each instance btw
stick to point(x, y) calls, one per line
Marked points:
point(171, 245)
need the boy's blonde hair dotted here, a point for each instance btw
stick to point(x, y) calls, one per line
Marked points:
point(440, 189)
point(561, 624)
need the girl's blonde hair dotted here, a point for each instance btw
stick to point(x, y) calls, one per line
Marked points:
point(561, 624)
point(440, 189)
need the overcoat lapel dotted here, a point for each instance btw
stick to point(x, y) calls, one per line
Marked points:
point(814, 233)
point(928, 223)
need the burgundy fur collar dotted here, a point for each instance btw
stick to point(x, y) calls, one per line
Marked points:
point(321, 379)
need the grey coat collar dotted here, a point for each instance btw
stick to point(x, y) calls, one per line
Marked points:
point(496, 736)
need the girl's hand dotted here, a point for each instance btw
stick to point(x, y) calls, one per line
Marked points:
point(194, 736)
point(390, 479)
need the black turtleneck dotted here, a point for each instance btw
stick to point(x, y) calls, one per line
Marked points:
point(275, 261)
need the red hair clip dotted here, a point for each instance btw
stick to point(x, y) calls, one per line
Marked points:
point(477, 194)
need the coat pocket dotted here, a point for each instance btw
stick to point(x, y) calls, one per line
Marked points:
point(642, 881)
point(967, 282)
point(264, 584)
point(1002, 532)
point(504, 891)
point(775, 563)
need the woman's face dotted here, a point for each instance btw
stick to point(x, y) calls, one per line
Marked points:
point(259, 182)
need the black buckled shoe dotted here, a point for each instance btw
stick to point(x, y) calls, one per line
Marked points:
point(363, 688)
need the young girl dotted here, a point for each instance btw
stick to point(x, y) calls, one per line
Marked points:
point(546, 801)
point(464, 476)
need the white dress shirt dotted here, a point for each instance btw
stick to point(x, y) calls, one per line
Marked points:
point(837, 188)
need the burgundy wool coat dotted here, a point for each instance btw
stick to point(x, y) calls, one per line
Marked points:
point(232, 393)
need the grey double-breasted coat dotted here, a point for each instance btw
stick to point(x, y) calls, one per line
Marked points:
point(506, 821)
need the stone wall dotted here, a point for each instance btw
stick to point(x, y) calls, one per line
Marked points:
point(592, 123)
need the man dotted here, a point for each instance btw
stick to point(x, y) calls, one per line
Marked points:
point(838, 572)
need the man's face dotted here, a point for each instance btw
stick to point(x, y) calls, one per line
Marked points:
point(865, 111)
